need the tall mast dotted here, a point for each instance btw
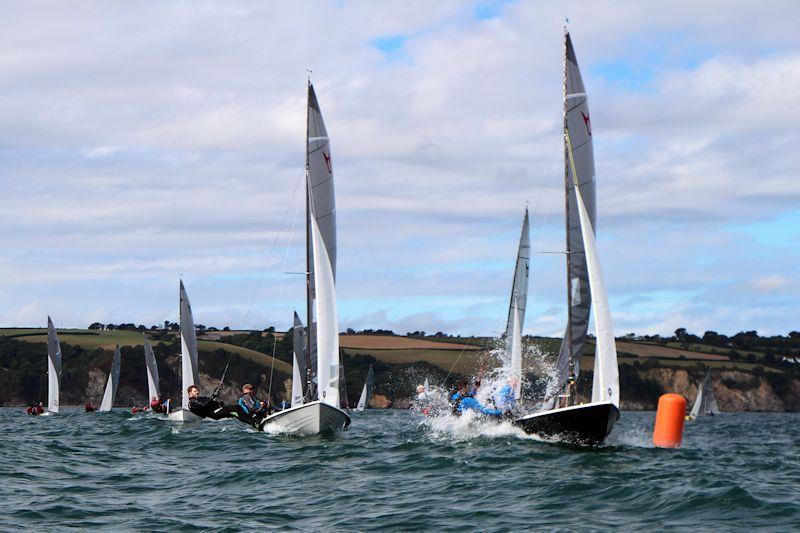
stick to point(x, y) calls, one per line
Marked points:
point(566, 220)
point(309, 258)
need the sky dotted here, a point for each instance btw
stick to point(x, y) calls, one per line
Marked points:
point(144, 142)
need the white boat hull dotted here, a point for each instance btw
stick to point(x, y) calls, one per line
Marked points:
point(313, 418)
point(183, 415)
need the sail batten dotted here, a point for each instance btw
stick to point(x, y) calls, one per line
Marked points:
point(53, 368)
point(112, 383)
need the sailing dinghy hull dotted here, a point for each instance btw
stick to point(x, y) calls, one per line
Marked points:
point(313, 418)
point(587, 424)
point(183, 415)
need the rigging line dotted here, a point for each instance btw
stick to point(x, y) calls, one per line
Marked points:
point(269, 256)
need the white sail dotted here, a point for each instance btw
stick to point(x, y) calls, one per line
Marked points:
point(698, 403)
point(426, 386)
point(152, 371)
point(605, 385)
point(577, 122)
point(366, 391)
point(111, 384)
point(53, 368)
point(297, 383)
point(516, 353)
point(189, 359)
point(519, 287)
point(327, 330)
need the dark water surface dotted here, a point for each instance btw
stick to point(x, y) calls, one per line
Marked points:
point(394, 471)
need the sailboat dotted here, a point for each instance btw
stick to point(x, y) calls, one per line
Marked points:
point(516, 308)
point(322, 415)
point(298, 361)
point(53, 368)
point(706, 402)
point(152, 371)
point(189, 359)
point(588, 423)
point(366, 392)
point(111, 383)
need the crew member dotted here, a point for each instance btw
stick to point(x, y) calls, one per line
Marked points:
point(252, 406)
point(463, 402)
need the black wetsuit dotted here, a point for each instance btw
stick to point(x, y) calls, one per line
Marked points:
point(214, 409)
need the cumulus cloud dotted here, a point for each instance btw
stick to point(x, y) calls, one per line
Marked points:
point(145, 142)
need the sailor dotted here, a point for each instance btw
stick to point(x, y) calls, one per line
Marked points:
point(40, 408)
point(505, 399)
point(463, 402)
point(154, 404)
point(88, 407)
point(252, 406)
point(210, 407)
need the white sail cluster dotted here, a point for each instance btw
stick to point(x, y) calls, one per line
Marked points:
point(706, 402)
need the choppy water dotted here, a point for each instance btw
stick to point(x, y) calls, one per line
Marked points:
point(391, 471)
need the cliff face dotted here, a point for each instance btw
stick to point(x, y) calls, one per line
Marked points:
point(734, 390)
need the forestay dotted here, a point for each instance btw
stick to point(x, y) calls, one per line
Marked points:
point(111, 384)
point(189, 359)
point(578, 123)
point(152, 371)
point(53, 368)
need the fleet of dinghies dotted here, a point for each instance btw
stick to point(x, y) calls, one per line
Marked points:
point(316, 367)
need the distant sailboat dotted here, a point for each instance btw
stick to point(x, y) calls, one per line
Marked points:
point(111, 383)
point(152, 371)
point(189, 359)
point(298, 361)
point(706, 402)
point(587, 423)
point(53, 368)
point(323, 415)
point(366, 392)
point(516, 307)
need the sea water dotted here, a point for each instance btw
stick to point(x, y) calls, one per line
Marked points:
point(395, 470)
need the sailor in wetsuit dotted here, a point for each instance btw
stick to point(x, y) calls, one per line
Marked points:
point(210, 407)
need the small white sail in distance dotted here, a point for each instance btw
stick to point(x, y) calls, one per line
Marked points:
point(605, 384)
point(297, 383)
point(111, 384)
point(365, 392)
point(53, 368)
point(327, 330)
point(516, 353)
point(698, 402)
point(189, 369)
point(152, 371)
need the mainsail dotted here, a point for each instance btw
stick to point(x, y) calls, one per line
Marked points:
point(320, 205)
point(53, 368)
point(519, 287)
point(189, 359)
point(366, 392)
point(152, 371)
point(300, 356)
point(297, 383)
point(577, 123)
point(111, 384)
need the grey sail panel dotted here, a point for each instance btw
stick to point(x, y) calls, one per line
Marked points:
point(152, 371)
point(578, 124)
point(320, 177)
point(709, 400)
point(519, 286)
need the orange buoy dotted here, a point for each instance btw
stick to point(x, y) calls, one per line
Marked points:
point(669, 421)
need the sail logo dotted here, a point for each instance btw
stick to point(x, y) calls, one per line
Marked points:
point(587, 122)
point(327, 161)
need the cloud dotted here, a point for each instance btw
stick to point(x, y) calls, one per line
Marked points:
point(147, 142)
